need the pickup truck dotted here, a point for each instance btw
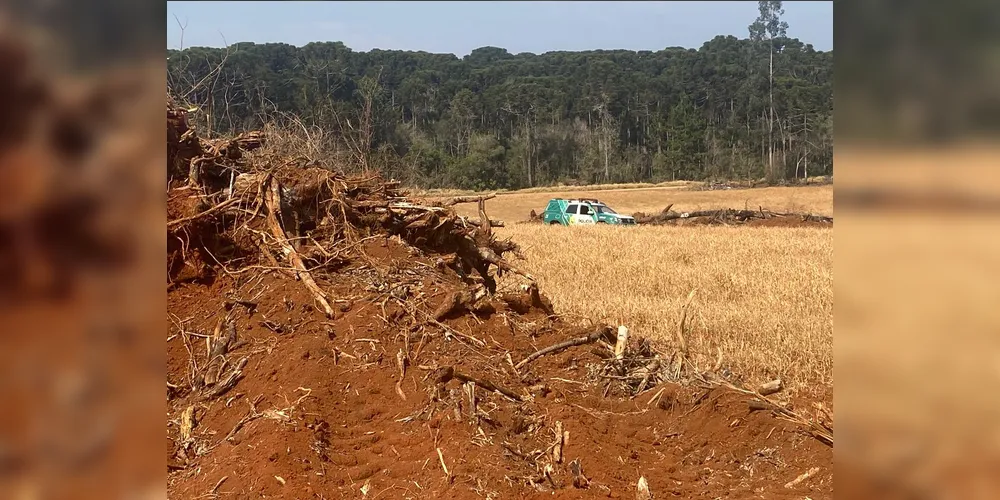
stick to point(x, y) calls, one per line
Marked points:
point(582, 211)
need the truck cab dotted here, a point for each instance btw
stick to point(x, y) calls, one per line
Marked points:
point(583, 211)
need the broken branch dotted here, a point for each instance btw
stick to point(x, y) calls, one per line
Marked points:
point(802, 477)
point(273, 201)
point(465, 199)
point(447, 373)
point(603, 332)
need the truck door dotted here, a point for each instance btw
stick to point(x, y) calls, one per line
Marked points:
point(573, 211)
point(571, 214)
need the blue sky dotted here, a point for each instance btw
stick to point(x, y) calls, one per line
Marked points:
point(459, 27)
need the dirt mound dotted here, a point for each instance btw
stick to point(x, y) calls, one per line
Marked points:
point(730, 216)
point(331, 338)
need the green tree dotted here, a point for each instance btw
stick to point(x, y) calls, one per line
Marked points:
point(769, 25)
point(725, 109)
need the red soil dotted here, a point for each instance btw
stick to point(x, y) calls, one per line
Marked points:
point(331, 424)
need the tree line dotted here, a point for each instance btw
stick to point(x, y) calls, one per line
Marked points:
point(751, 108)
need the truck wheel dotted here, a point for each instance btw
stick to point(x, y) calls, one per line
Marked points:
point(555, 223)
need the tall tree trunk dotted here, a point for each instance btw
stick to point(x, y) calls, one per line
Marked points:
point(763, 144)
point(528, 148)
point(805, 145)
point(607, 158)
point(770, 126)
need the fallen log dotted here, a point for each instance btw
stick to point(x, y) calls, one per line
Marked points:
point(741, 215)
point(475, 223)
point(602, 332)
point(723, 215)
point(464, 199)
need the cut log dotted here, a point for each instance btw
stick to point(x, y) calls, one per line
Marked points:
point(464, 199)
point(621, 342)
point(477, 224)
point(770, 387)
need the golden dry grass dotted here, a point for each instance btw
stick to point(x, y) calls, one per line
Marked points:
point(764, 295)
point(512, 207)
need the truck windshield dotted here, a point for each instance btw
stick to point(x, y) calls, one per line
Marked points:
point(604, 209)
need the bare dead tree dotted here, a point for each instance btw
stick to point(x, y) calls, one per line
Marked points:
point(183, 27)
point(185, 92)
point(606, 130)
point(370, 89)
point(359, 139)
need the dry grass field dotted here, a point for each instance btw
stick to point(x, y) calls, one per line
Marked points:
point(764, 296)
point(515, 206)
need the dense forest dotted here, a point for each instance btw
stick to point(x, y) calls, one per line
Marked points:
point(751, 108)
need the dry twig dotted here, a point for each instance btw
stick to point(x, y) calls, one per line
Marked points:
point(602, 332)
point(273, 202)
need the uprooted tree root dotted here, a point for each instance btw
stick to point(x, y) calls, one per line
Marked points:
point(311, 217)
point(348, 340)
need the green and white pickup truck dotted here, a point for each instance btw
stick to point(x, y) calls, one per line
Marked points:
point(582, 211)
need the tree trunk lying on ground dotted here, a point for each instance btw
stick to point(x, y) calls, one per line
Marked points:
point(724, 216)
